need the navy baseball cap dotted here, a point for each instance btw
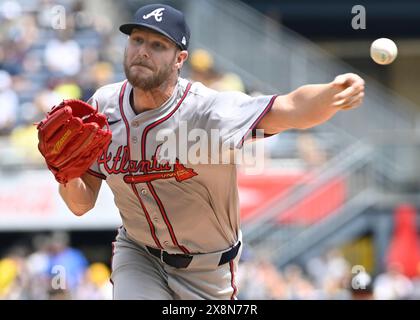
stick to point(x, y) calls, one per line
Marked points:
point(163, 19)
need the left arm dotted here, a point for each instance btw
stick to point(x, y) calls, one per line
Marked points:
point(311, 105)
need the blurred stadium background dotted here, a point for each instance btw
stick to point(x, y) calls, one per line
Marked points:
point(334, 215)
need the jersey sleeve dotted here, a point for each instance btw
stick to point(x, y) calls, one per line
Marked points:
point(95, 171)
point(235, 115)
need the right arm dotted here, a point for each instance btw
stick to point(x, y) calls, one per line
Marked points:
point(80, 194)
point(313, 104)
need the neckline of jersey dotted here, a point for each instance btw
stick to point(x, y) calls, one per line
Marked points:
point(168, 104)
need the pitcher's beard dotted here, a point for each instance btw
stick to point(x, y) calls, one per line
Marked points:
point(147, 83)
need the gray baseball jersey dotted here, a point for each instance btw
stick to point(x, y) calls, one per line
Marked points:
point(166, 203)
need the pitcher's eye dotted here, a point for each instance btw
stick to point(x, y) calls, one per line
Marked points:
point(158, 45)
point(137, 40)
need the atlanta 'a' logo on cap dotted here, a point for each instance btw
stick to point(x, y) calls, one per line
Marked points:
point(157, 13)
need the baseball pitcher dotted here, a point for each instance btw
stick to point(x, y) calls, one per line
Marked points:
point(180, 237)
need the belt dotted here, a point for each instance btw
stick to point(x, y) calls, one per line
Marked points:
point(184, 260)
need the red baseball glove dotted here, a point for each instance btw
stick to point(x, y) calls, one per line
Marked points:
point(71, 138)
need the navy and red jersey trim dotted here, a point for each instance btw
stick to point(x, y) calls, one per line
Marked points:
point(120, 102)
point(158, 122)
point(149, 221)
point(256, 122)
point(133, 187)
point(149, 184)
point(165, 218)
point(96, 174)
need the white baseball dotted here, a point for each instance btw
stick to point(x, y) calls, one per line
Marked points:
point(383, 51)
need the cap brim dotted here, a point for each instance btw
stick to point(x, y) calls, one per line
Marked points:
point(128, 28)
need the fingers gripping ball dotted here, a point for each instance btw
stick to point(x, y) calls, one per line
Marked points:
point(71, 138)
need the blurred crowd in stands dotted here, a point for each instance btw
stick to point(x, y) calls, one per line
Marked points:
point(52, 269)
point(329, 277)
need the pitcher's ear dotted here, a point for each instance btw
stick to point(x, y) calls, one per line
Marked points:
point(182, 56)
